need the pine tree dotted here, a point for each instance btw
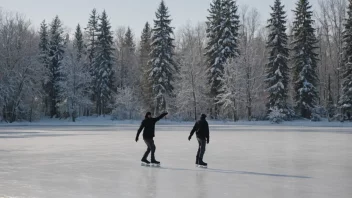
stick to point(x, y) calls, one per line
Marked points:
point(305, 60)
point(222, 34)
point(145, 49)
point(162, 63)
point(214, 62)
point(91, 50)
point(128, 60)
point(44, 44)
point(75, 77)
point(129, 41)
point(103, 66)
point(56, 51)
point(345, 102)
point(92, 32)
point(78, 43)
point(45, 61)
point(277, 70)
point(230, 29)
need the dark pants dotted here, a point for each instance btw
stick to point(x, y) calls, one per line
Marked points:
point(201, 148)
point(151, 148)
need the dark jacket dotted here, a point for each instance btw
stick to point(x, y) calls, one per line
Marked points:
point(148, 124)
point(201, 128)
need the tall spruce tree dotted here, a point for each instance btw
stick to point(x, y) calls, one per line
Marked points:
point(78, 43)
point(345, 102)
point(129, 41)
point(103, 66)
point(45, 61)
point(80, 51)
point(92, 33)
point(56, 51)
point(144, 51)
point(222, 34)
point(230, 30)
point(304, 60)
point(91, 49)
point(128, 60)
point(162, 63)
point(277, 70)
point(44, 44)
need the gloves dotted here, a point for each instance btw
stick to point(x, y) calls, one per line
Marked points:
point(208, 141)
point(136, 138)
point(189, 138)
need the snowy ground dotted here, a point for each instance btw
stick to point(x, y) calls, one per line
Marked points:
point(244, 161)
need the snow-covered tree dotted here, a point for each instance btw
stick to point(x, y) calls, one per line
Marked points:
point(44, 60)
point(222, 33)
point(305, 60)
point(277, 70)
point(56, 52)
point(91, 44)
point(129, 41)
point(127, 105)
point(144, 57)
point(92, 36)
point(20, 70)
point(129, 67)
point(127, 60)
point(78, 43)
point(230, 87)
point(75, 79)
point(163, 65)
point(120, 55)
point(191, 87)
point(241, 89)
point(331, 15)
point(103, 66)
point(44, 44)
point(345, 102)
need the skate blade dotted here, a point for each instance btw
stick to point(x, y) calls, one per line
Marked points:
point(199, 166)
point(155, 165)
point(144, 164)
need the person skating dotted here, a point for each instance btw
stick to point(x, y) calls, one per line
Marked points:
point(201, 128)
point(148, 127)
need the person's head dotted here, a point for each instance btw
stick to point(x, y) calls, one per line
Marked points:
point(203, 116)
point(148, 115)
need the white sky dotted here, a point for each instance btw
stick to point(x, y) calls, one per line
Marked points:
point(133, 13)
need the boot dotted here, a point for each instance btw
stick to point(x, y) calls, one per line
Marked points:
point(155, 162)
point(145, 161)
point(201, 163)
point(197, 160)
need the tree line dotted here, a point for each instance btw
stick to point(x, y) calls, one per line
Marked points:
point(231, 67)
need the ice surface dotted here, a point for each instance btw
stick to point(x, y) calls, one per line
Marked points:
point(244, 161)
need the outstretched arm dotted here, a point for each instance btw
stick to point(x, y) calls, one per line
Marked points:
point(195, 128)
point(139, 130)
point(160, 117)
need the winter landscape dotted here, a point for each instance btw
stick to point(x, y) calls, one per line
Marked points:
point(261, 88)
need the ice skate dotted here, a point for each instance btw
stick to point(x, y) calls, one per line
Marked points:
point(155, 163)
point(145, 162)
point(202, 164)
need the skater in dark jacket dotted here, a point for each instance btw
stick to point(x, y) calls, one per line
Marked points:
point(148, 124)
point(201, 128)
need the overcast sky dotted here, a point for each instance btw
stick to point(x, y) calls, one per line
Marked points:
point(133, 13)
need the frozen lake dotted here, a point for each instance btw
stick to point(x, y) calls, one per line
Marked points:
point(244, 161)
